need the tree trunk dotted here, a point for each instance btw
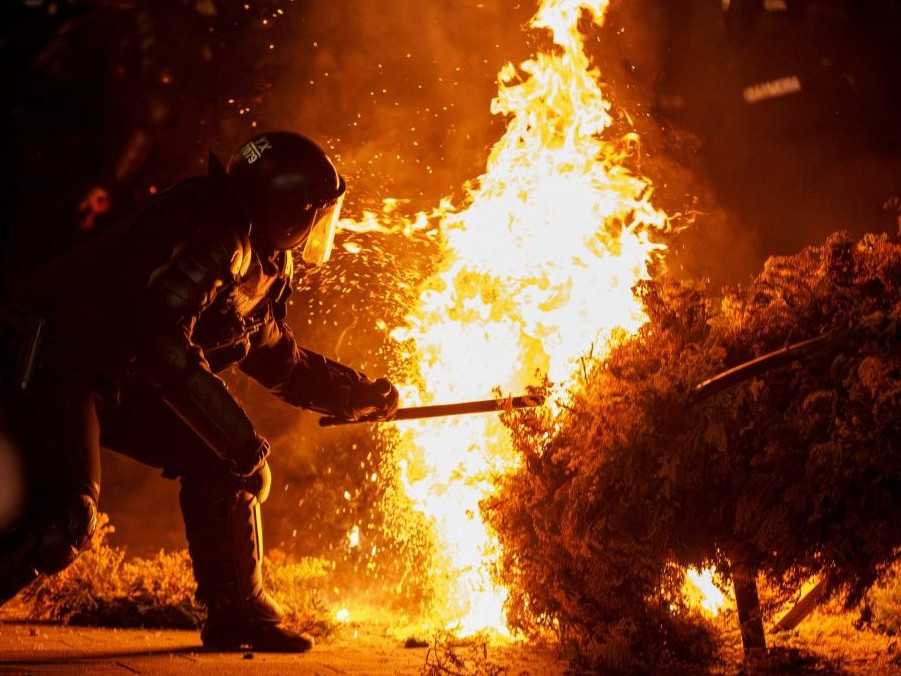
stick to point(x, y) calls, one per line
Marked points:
point(753, 639)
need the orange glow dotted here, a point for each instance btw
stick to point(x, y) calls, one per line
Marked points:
point(537, 269)
point(700, 591)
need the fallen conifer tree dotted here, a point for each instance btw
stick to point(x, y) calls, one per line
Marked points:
point(791, 474)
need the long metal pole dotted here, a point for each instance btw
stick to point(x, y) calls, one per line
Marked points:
point(785, 355)
point(710, 387)
point(441, 410)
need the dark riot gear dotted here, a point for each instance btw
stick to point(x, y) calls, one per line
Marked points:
point(138, 322)
point(292, 192)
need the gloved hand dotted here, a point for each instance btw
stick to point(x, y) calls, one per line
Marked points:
point(371, 400)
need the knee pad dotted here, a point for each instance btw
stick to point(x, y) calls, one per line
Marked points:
point(64, 539)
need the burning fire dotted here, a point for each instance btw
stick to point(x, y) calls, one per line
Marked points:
point(537, 269)
point(701, 591)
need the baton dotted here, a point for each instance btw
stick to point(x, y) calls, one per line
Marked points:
point(442, 410)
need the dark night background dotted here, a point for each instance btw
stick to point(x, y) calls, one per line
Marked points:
point(111, 101)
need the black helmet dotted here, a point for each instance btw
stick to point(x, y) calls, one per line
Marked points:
point(292, 191)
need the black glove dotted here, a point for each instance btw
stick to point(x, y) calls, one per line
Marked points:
point(371, 400)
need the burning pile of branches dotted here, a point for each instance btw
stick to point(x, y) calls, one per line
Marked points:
point(794, 473)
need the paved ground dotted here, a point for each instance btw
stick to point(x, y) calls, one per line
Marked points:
point(28, 648)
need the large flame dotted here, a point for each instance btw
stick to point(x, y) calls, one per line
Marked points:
point(538, 269)
point(701, 591)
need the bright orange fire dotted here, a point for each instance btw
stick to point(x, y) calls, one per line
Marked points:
point(701, 591)
point(537, 270)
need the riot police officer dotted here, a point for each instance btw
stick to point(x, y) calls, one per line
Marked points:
point(133, 328)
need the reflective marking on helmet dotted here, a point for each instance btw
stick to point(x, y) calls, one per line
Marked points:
point(321, 240)
point(253, 150)
point(773, 89)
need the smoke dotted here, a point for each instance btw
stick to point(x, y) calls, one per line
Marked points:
point(399, 91)
point(634, 54)
point(749, 181)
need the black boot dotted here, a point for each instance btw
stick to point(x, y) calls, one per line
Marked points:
point(225, 540)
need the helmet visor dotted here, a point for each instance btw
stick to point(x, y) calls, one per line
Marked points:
point(321, 240)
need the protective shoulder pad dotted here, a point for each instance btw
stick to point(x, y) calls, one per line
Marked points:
point(215, 255)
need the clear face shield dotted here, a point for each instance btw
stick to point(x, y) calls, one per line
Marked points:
point(318, 247)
